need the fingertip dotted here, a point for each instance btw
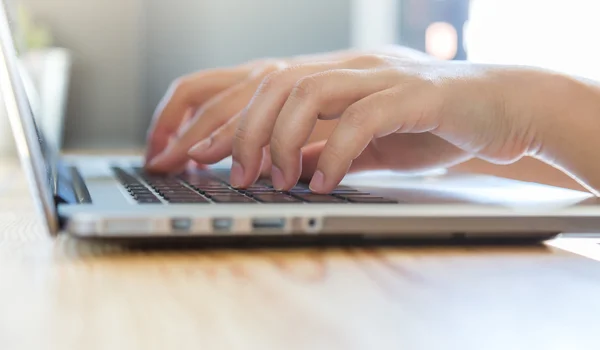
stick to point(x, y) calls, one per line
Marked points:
point(317, 184)
point(277, 178)
point(193, 166)
point(157, 143)
point(157, 163)
point(169, 159)
point(237, 175)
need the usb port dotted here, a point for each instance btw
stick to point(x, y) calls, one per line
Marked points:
point(222, 224)
point(181, 224)
point(268, 223)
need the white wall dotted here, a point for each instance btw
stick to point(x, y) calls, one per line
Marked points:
point(106, 38)
point(128, 51)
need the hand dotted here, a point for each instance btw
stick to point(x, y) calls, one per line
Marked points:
point(198, 105)
point(391, 114)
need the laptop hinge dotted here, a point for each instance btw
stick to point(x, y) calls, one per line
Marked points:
point(69, 187)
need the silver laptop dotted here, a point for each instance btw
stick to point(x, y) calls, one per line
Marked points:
point(113, 198)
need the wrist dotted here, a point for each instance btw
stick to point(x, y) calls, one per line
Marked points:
point(569, 128)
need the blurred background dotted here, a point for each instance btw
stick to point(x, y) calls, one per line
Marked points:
point(103, 65)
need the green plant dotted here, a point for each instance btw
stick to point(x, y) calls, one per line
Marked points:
point(32, 34)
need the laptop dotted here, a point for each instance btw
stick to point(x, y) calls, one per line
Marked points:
point(112, 197)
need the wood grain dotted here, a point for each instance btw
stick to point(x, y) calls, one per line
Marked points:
point(68, 294)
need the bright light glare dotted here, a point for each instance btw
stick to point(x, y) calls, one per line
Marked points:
point(554, 34)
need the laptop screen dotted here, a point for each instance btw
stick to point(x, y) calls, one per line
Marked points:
point(19, 96)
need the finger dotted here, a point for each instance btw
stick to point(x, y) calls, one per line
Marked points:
point(215, 113)
point(369, 159)
point(257, 123)
point(197, 166)
point(211, 116)
point(217, 146)
point(329, 93)
point(312, 152)
point(409, 109)
point(185, 94)
point(266, 164)
point(192, 166)
point(408, 153)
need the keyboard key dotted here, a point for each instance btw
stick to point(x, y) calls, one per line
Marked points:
point(198, 176)
point(184, 197)
point(210, 187)
point(160, 180)
point(349, 192)
point(277, 198)
point(138, 190)
point(319, 198)
point(179, 191)
point(194, 200)
point(259, 187)
point(166, 185)
point(149, 201)
point(173, 190)
point(356, 194)
point(232, 199)
point(135, 186)
point(340, 190)
point(300, 190)
point(264, 182)
point(144, 196)
point(260, 190)
point(373, 200)
point(219, 191)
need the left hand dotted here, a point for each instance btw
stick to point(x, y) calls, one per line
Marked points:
point(391, 114)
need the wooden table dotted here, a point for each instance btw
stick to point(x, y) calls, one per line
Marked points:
point(66, 294)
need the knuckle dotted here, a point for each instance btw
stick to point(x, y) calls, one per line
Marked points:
point(278, 145)
point(274, 65)
point(372, 60)
point(266, 66)
point(181, 86)
point(271, 81)
point(356, 116)
point(240, 136)
point(280, 77)
point(333, 154)
point(305, 88)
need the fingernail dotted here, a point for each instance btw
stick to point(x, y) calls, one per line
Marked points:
point(317, 182)
point(237, 174)
point(198, 149)
point(161, 159)
point(158, 161)
point(149, 156)
point(277, 178)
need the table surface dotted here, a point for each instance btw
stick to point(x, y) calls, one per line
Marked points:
point(67, 294)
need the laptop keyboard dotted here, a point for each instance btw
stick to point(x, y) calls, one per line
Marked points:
point(212, 187)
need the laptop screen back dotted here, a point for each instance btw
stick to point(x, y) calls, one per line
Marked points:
point(37, 158)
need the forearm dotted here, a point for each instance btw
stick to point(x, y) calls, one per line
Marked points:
point(570, 133)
